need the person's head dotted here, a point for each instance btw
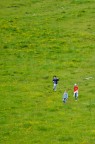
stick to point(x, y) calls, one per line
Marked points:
point(75, 84)
point(65, 91)
point(54, 76)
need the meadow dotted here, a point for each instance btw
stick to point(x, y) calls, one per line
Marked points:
point(40, 39)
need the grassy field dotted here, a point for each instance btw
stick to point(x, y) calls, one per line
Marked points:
point(39, 39)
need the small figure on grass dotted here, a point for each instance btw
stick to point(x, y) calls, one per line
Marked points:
point(76, 91)
point(55, 82)
point(65, 96)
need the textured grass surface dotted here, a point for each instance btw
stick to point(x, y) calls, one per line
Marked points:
point(39, 39)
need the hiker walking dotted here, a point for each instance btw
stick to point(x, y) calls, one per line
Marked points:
point(55, 82)
point(76, 91)
point(65, 97)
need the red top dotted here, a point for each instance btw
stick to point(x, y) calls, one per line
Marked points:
point(75, 88)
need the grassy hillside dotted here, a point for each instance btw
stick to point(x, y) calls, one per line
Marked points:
point(39, 39)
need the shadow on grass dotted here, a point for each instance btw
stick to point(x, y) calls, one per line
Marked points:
point(67, 138)
point(43, 128)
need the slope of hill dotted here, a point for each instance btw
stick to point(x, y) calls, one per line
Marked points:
point(39, 39)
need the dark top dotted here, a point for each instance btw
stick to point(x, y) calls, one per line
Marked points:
point(55, 80)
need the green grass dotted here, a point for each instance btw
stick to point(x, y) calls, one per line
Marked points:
point(39, 39)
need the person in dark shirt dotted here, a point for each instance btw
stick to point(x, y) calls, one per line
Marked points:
point(55, 82)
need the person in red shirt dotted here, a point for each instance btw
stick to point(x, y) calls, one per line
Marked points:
point(76, 91)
